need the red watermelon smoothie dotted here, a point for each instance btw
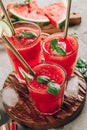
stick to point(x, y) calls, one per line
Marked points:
point(28, 47)
point(44, 97)
point(69, 47)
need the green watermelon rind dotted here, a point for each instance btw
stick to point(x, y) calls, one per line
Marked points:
point(61, 24)
point(18, 17)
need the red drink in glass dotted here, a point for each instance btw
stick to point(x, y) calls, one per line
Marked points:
point(67, 61)
point(29, 48)
point(44, 101)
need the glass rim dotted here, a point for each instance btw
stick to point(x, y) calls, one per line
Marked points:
point(55, 64)
point(26, 22)
point(67, 54)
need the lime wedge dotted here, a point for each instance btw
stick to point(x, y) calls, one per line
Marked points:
point(5, 28)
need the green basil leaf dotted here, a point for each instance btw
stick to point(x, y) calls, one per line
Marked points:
point(25, 75)
point(53, 88)
point(81, 66)
point(26, 34)
point(82, 70)
point(20, 36)
point(43, 79)
point(54, 43)
point(81, 63)
point(58, 49)
point(29, 34)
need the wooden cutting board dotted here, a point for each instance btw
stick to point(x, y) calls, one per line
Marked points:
point(75, 19)
point(25, 113)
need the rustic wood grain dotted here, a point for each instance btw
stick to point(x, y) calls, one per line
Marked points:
point(24, 112)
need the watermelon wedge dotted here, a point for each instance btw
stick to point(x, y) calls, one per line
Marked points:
point(29, 12)
point(56, 13)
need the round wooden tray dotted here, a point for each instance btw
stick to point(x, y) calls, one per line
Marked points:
point(24, 112)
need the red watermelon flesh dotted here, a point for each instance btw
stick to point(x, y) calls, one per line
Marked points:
point(56, 13)
point(30, 12)
point(32, 4)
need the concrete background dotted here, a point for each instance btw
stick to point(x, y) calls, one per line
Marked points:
point(5, 67)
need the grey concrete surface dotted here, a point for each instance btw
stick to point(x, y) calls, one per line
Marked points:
point(5, 67)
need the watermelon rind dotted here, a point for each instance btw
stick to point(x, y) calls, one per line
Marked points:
point(4, 25)
point(61, 23)
point(17, 17)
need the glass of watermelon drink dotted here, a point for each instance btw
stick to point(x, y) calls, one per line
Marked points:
point(61, 51)
point(47, 88)
point(27, 41)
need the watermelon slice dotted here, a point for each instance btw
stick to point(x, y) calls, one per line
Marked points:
point(29, 12)
point(56, 13)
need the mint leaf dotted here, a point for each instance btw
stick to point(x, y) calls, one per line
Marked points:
point(81, 66)
point(81, 63)
point(43, 79)
point(54, 44)
point(29, 34)
point(20, 36)
point(25, 75)
point(53, 88)
point(26, 34)
point(58, 49)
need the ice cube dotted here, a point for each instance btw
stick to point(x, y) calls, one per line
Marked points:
point(9, 96)
point(62, 45)
point(72, 87)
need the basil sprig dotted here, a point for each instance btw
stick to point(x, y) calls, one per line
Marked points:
point(81, 66)
point(26, 34)
point(53, 87)
point(58, 49)
point(43, 79)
